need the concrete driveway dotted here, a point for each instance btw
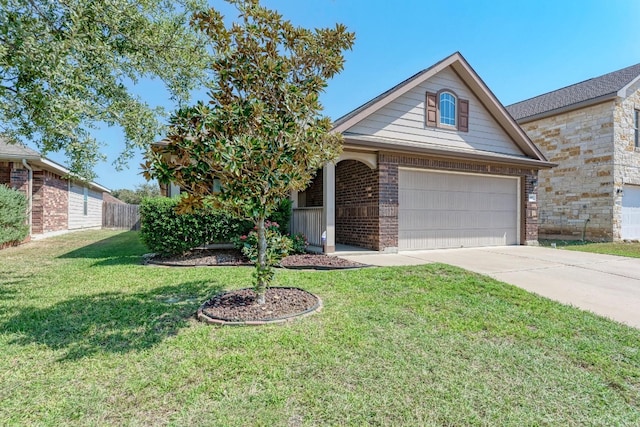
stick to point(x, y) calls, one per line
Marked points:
point(604, 284)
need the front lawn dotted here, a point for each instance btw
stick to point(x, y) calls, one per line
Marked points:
point(610, 248)
point(88, 336)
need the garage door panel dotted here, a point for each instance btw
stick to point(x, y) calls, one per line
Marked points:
point(630, 229)
point(442, 210)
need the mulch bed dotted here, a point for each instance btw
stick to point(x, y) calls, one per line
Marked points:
point(201, 257)
point(239, 306)
point(232, 257)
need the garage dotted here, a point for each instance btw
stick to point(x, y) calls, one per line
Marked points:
point(630, 213)
point(452, 210)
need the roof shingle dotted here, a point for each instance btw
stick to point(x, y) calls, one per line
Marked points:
point(596, 87)
point(16, 150)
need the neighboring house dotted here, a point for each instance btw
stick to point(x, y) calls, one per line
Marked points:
point(434, 162)
point(590, 129)
point(108, 198)
point(56, 203)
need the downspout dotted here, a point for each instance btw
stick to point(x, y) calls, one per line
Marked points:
point(30, 195)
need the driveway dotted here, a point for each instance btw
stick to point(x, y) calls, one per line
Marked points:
point(604, 284)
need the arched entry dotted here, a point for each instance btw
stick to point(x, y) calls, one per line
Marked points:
point(356, 203)
point(341, 202)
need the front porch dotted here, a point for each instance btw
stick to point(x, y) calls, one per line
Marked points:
point(339, 209)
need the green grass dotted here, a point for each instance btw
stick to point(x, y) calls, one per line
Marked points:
point(88, 336)
point(609, 248)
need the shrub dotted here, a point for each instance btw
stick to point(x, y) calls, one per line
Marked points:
point(166, 232)
point(278, 245)
point(283, 215)
point(298, 243)
point(13, 215)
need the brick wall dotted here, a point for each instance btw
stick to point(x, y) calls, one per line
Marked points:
point(50, 202)
point(313, 193)
point(19, 180)
point(5, 173)
point(388, 196)
point(581, 187)
point(357, 198)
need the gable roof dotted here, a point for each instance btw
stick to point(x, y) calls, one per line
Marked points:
point(588, 92)
point(462, 68)
point(18, 152)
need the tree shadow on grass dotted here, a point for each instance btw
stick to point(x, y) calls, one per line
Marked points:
point(10, 281)
point(110, 322)
point(123, 248)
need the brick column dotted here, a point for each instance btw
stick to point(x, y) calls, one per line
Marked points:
point(388, 204)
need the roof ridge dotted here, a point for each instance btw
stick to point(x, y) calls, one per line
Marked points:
point(579, 83)
point(588, 91)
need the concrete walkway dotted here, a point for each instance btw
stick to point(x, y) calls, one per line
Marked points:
point(604, 284)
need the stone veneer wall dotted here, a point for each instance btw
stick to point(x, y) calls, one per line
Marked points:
point(581, 187)
point(626, 155)
point(357, 205)
point(50, 202)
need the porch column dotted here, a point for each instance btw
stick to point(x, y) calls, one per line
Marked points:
point(329, 203)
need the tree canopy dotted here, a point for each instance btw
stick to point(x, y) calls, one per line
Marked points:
point(67, 67)
point(261, 133)
point(135, 196)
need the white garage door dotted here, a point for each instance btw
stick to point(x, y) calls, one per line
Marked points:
point(448, 210)
point(630, 213)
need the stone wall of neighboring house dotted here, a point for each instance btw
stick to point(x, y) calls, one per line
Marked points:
point(357, 205)
point(50, 202)
point(581, 187)
point(627, 156)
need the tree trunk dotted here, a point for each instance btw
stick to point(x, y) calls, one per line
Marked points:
point(261, 265)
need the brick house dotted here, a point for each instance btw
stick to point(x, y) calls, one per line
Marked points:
point(590, 129)
point(434, 162)
point(56, 203)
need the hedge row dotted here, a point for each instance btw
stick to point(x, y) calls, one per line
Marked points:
point(165, 232)
point(13, 215)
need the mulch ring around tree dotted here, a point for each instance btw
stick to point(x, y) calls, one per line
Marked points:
point(233, 257)
point(238, 307)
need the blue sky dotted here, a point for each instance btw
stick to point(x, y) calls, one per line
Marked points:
point(519, 48)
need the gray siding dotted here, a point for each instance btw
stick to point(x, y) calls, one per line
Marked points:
point(404, 120)
point(77, 217)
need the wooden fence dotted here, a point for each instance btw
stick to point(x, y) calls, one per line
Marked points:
point(120, 216)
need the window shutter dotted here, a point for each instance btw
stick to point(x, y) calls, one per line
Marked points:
point(431, 109)
point(463, 115)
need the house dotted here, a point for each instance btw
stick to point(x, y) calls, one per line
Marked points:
point(590, 129)
point(434, 162)
point(56, 203)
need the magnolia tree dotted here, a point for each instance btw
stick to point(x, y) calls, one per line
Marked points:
point(261, 133)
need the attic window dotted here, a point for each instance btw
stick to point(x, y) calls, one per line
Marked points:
point(445, 110)
point(447, 103)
